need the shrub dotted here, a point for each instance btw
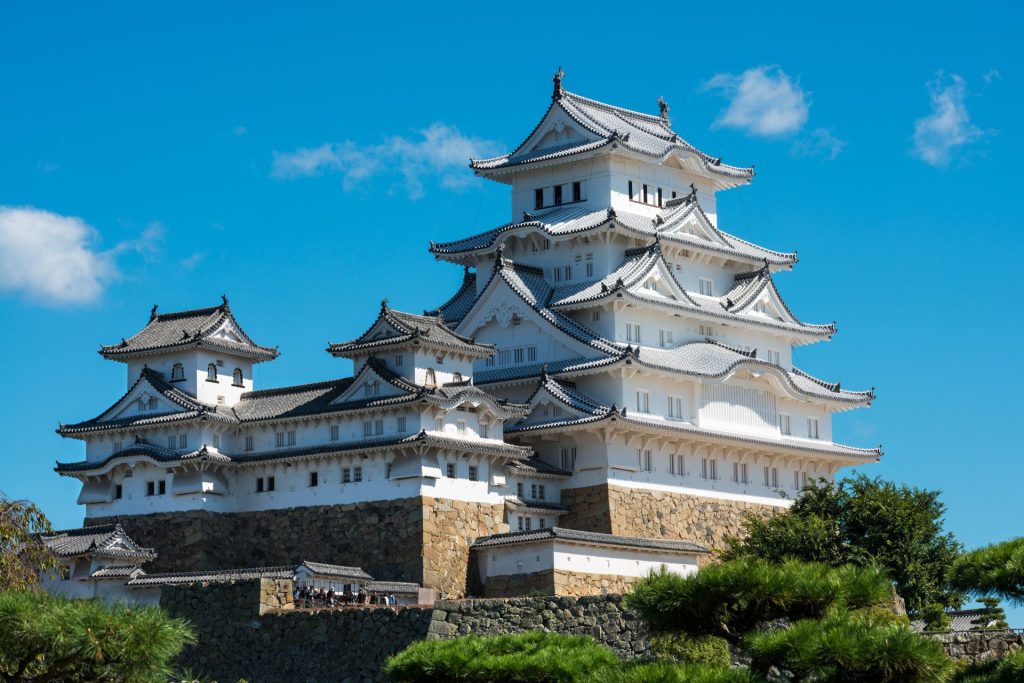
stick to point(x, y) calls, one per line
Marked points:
point(868, 646)
point(734, 598)
point(533, 657)
point(936, 618)
point(859, 521)
point(682, 647)
point(663, 672)
point(1010, 669)
point(45, 637)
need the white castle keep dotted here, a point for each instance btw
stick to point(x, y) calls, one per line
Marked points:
point(616, 373)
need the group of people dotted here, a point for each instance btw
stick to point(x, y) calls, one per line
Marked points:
point(310, 596)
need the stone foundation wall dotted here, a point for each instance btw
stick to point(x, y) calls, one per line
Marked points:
point(580, 583)
point(424, 540)
point(449, 527)
point(351, 645)
point(535, 583)
point(980, 646)
point(657, 514)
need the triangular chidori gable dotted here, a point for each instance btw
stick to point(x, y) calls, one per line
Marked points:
point(374, 381)
point(555, 400)
point(214, 327)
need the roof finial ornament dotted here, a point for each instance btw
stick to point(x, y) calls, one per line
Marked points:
point(152, 312)
point(663, 108)
point(557, 80)
point(383, 305)
point(223, 299)
point(499, 255)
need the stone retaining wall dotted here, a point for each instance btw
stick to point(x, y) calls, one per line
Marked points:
point(657, 514)
point(422, 540)
point(980, 646)
point(239, 638)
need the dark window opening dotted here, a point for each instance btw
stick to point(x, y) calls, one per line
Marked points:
point(118, 492)
point(630, 189)
point(577, 191)
point(259, 485)
point(645, 193)
point(558, 195)
point(162, 488)
point(270, 483)
point(313, 479)
point(659, 197)
point(150, 488)
point(538, 198)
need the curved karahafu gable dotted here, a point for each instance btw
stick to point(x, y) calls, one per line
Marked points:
point(681, 225)
point(214, 328)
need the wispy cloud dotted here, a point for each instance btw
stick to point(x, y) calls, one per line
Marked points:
point(992, 75)
point(239, 131)
point(948, 125)
point(819, 142)
point(439, 150)
point(763, 101)
point(47, 167)
point(193, 261)
point(55, 259)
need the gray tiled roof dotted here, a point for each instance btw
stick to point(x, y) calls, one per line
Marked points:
point(534, 466)
point(192, 408)
point(578, 219)
point(212, 576)
point(590, 537)
point(115, 572)
point(142, 449)
point(684, 429)
point(531, 505)
point(335, 570)
point(108, 540)
point(456, 308)
point(170, 331)
point(960, 620)
point(400, 587)
point(566, 393)
point(628, 279)
point(428, 330)
point(643, 133)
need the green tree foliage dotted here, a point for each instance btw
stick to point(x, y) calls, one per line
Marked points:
point(997, 569)
point(21, 553)
point(663, 672)
point(936, 618)
point(867, 646)
point(533, 657)
point(1010, 669)
point(734, 598)
point(49, 638)
point(861, 521)
point(682, 647)
point(992, 616)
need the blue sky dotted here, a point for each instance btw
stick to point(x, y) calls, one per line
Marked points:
point(299, 160)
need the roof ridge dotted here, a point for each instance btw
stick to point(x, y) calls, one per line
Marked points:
point(190, 313)
point(655, 118)
point(293, 389)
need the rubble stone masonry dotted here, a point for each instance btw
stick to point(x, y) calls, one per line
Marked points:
point(421, 539)
point(657, 514)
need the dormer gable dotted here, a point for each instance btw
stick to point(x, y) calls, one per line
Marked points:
point(374, 382)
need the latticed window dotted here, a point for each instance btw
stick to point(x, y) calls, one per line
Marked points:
point(430, 378)
point(177, 372)
point(211, 372)
point(236, 377)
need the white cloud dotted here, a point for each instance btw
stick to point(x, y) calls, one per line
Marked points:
point(54, 259)
point(948, 125)
point(439, 150)
point(239, 131)
point(992, 75)
point(819, 142)
point(193, 261)
point(762, 101)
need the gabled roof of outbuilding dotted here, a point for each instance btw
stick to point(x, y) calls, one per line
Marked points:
point(649, 135)
point(107, 540)
point(166, 332)
point(587, 537)
point(535, 467)
point(426, 330)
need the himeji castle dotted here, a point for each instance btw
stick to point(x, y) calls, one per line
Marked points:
point(610, 390)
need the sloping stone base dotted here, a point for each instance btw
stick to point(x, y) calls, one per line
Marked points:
point(657, 514)
point(556, 582)
point(421, 539)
